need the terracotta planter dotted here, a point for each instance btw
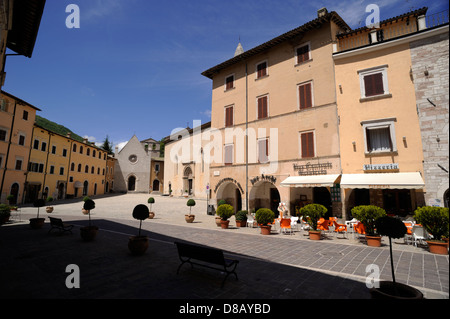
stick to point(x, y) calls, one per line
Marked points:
point(224, 224)
point(37, 223)
point(265, 230)
point(218, 220)
point(387, 291)
point(315, 234)
point(151, 215)
point(438, 247)
point(241, 223)
point(373, 241)
point(49, 209)
point(189, 218)
point(138, 245)
point(88, 233)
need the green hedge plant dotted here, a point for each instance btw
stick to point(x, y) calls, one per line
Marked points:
point(435, 220)
point(241, 215)
point(311, 214)
point(225, 211)
point(367, 215)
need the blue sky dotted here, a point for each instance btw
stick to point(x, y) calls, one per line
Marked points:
point(134, 66)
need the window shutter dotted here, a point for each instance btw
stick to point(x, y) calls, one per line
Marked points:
point(229, 116)
point(262, 107)
point(303, 54)
point(228, 154)
point(305, 96)
point(307, 140)
point(229, 82)
point(261, 69)
point(373, 84)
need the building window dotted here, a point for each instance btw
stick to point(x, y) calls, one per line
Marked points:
point(229, 82)
point(374, 82)
point(93, 153)
point(52, 170)
point(1, 160)
point(379, 136)
point(22, 140)
point(64, 153)
point(53, 149)
point(61, 171)
point(74, 148)
point(229, 116)
point(2, 135)
point(43, 146)
point(36, 144)
point(263, 150)
point(25, 115)
point(86, 169)
point(305, 95)
point(261, 69)
point(19, 162)
point(228, 158)
point(263, 108)
point(303, 53)
point(81, 149)
point(307, 148)
point(71, 179)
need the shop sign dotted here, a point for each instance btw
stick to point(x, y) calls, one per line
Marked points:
point(268, 178)
point(381, 167)
point(313, 169)
point(229, 179)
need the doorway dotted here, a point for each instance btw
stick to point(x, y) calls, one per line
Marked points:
point(322, 196)
point(131, 183)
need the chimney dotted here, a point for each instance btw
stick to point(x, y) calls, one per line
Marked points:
point(69, 135)
point(322, 12)
point(85, 140)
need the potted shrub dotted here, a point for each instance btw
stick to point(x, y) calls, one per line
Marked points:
point(435, 220)
point(367, 215)
point(218, 219)
point(311, 214)
point(190, 217)
point(138, 244)
point(186, 194)
point(37, 222)
point(225, 211)
point(241, 218)
point(264, 217)
point(393, 228)
point(89, 232)
point(49, 209)
point(84, 211)
point(11, 199)
point(5, 213)
point(151, 201)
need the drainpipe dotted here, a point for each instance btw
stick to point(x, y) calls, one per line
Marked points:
point(246, 137)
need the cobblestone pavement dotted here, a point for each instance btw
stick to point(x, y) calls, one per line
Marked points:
point(280, 266)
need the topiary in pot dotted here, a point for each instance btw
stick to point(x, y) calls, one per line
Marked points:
point(367, 215)
point(151, 201)
point(5, 213)
point(189, 217)
point(264, 217)
point(138, 244)
point(435, 220)
point(311, 214)
point(393, 228)
point(88, 233)
point(241, 218)
point(225, 211)
point(37, 223)
point(221, 202)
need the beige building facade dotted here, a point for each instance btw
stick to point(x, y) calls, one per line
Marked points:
point(380, 139)
point(282, 93)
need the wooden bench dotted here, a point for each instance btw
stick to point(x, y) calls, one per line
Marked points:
point(58, 224)
point(188, 253)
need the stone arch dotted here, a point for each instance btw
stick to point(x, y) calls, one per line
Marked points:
point(229, 192)
point(264, 194)
point(131, 183)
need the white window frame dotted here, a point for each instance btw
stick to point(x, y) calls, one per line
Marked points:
point(267, 69)
point(300, 143)
point(230, 145)
point(258, 149)
point(379, 69)
point(308, 44)
point(312, 95)
point(268, 106)
point(379, 124)
point(225, 115)
point(225, 82)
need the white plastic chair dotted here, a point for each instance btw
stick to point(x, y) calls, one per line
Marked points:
point(418, 235)
point(250, 221)
point(294, 224)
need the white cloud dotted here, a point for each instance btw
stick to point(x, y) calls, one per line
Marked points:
point(120, 145)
